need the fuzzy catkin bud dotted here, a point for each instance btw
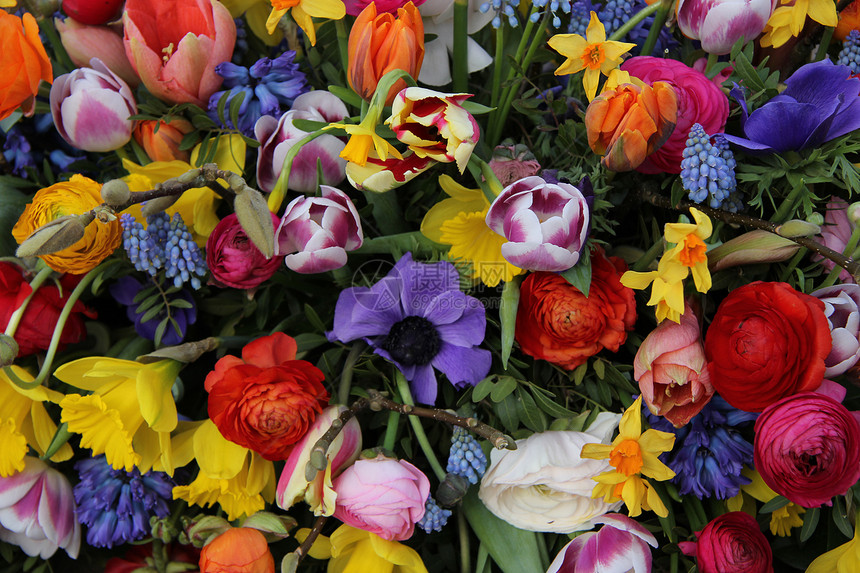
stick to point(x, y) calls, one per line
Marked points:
point(59, 234)
point(256, 220)
point(115, 192)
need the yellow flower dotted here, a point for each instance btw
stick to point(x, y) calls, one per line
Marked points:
point(593, 54)
point(130, 413)
point(303, 12)
point(633, 453)
point(357, 551)
point(460, 221)
point(78, 195)
point(24, 421)
point(782, 519)
point(843, 559)
point(787, 21)
point(256, 15)
point(239, 480)
point(362, 138)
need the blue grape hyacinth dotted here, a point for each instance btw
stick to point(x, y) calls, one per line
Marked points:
point(466, 457)
point(164, 243)
point(850, 53)
point(434, 518)
point(708, 171)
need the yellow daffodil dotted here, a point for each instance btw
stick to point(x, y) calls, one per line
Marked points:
point(239, 480)
point(303, 12)
point(788, 20)
point(782, 520)
point(460, 221)
point(357, 551)
point(24, 421)
point(593, 54)
point(843, 559)
point(363, 137)
point(633, 453)
point(130, 413)
point(256, 15)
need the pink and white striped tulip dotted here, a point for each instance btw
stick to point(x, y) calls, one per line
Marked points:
point(546, 224)
point(277, 137)
point(718, 24)
point(435, 125)
point(37, 511)
point(621, 546)
point(293, 485)
point(91, 108)
point(316, 232)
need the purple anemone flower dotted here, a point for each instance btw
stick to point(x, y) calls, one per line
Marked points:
point(821, 102)
point(418, 318)
point(125, 290)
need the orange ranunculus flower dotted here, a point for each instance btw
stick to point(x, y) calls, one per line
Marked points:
point(384, 42)
point(629, 123)
point(163, 145)
point(74, 197)
point(23, 63)
point(240, 549)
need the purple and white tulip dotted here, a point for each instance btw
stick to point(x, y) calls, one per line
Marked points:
point(546, 224)
point(621, 546)
point(842, 308)
point(316, 232)
point(718, 24)
point(277, 136)
point(37, 511)
point(91, 108)
point(435, 125)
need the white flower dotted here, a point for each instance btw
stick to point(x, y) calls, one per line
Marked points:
point(438, 17)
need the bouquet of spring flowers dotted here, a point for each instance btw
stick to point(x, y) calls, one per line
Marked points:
point(430, 286)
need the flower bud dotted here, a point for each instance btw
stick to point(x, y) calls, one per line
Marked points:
point(256, 220)
point(159, 204)
point(208, 526)
point(92, 13)
point(816, 219)
point(756, 246)
point(116, 192)
point(274, 527)
point(854, 212)
point(451, 490)
point(8, 350)
point(161, 140)
point(798, 228)
point(59, 234)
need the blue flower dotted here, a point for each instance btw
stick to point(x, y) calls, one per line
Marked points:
point(116, 505)
point(124, 292)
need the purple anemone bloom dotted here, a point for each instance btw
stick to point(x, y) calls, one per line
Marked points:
point(417, 317)
point(820, 102)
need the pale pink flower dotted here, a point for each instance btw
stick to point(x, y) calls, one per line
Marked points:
point(718, 24)
point(842, 309)
point(83, 43)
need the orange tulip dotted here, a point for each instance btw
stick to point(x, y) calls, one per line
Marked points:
point(237, 550)
point(23, 63)
point(163, 145)
point(384, 42)
point(627, 124)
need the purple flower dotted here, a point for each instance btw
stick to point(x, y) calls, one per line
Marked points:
point(125, 290)
point(842, 308)
point(621, 545)
point(417, 317)
point(820, 103)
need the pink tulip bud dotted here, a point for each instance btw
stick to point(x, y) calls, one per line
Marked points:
point(294, 485)
point(83, 43)
point(37, 511)
point(620, 545)
point(718, 24)
point(316, 232)
point(91, 108)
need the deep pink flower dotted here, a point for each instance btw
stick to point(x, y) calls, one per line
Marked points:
point(621, 545)
point(718, 24)
point(354, 7)
point(731, 542)
point(835, 234)
point(233, 259)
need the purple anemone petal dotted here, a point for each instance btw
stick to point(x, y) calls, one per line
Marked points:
point(446, 308)
point(363, 311)
point(469, 330)
point(463, 366)
point(423, 384)
point(795, 120)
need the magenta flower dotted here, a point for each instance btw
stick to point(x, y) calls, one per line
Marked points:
point(835, 234)
point(842, 309)
point(354, 7)
point(37, 511)
point(731, 542)
point(621, 546)
point(546, 224)
point(316, 232)
point(233, 259)
point(718, 24)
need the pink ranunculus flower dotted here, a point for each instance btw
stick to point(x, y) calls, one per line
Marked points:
point(37, 511)
point(174, 46)
point(354, 7)
point(731, 542)
point(294, 486)
point(277, 136)
point(620, 546)
point(672, 371)
point(699, 101)
point(835, 234)
point(807, 448)
point(382, 496)
point(718, 24)
point(83, 43)
point(233, 259)
point(842, 309)
point(546, 224)
point(316, 232)
point(91, 108)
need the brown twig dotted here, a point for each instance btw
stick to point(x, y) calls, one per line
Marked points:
point(312, 536)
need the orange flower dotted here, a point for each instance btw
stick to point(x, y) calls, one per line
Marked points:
point(849, 19)
point(238, 550)
point(163, 145)
point(73, 197)
point(628, 123)
point(381, 43)
point(23, 63)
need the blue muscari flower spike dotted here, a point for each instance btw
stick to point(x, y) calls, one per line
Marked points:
point(143, 251)
point(466, 457)
point(434, 518)
point(709, 451)
point(164, 243)
point(613, 14)
point(850, 54)
point(502, 8)
point(708, 171)
point(116, 505)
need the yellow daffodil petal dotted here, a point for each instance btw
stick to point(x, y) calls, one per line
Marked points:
point(40, 429)
point(595, 33)
point(103, 429)
point(321, 548)
point(823, 12)
point(785, 518)
point(630, 427)
point(596, 451)
point(633, 493)
point(474, 243)
point(655, 502)
point(701, 277)
point(571, 47)
point(154, 383)
point(14, 448)
point(273, 19)
point(461, 200)
point(217, 457)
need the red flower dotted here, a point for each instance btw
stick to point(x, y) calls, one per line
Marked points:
point(731, 542)
point(266, 400)
point(37, 325)
point(239, 550)
point(233, 259)
point(141, 556)
point(557, 323)
point(767, 341)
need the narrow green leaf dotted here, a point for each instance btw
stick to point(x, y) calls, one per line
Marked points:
point(483, 388)
point(529, 413)
point(147, 304)
point(840, 517)
point(579, 275)
point(599, 368)
point(506, 410)
point(61, 436)
point(504, 386)
point(159, 331)
point(810, 523)
point(774, 504)
point(513, 550)
point(347, 95)
point(748, 73)
point(510, 300)
point(235, 105)
point(314, 318)
point(152, 313)
point(181, 303)
point(551, 407)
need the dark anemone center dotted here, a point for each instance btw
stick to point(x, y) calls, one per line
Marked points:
point(413, 341)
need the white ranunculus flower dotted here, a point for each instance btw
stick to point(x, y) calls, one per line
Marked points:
point(544, 485)
point(438, 16)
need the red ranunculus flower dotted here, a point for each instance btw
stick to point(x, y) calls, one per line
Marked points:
point(559, 324)
point(234, 260)
point(731, 542)
point(767, 341)
point(238, 550)
point(266, 400)
point(37, 325)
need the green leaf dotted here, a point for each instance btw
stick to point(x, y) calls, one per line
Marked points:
point(810, 523)
point(508, 304)
point(308, 341)
point(235, 104)
point(159, 330)
point(483, 388)
point(314, 318)
point(599, 368)
point(529, 413)
point(579, 275)
point(774, 504)
point(549, 406)
point(504, 386)
point(347, 95)
point(153, 312)
point(181, 303)
point(840, 517)
point(12, 204)
point(748, 73)
point(475, 108)
point(308, 125)
point(513, 550)
point(507, 412)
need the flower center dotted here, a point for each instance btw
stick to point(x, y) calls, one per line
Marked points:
point(693, 251)
point(413, 341)
point(593, 56)
point(626, 457)
point(284, 4)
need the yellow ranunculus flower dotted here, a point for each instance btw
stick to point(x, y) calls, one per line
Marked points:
point(78, 195)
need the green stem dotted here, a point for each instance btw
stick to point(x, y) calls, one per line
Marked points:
point(37, 281)
point(346, 374)
point(787, 206)
point(276, 197)
point(618, 34)
point(712, 61)
point(489, 183)
point(343, 44)
point(656, 26)
point(497, 67)
point(848, 252)
point(826, 36)
point(465, 552)
point(648, 256)
point(406, 396)
point(795, 260)
point(542, 551)
point(391, 430)
point(460, 67)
